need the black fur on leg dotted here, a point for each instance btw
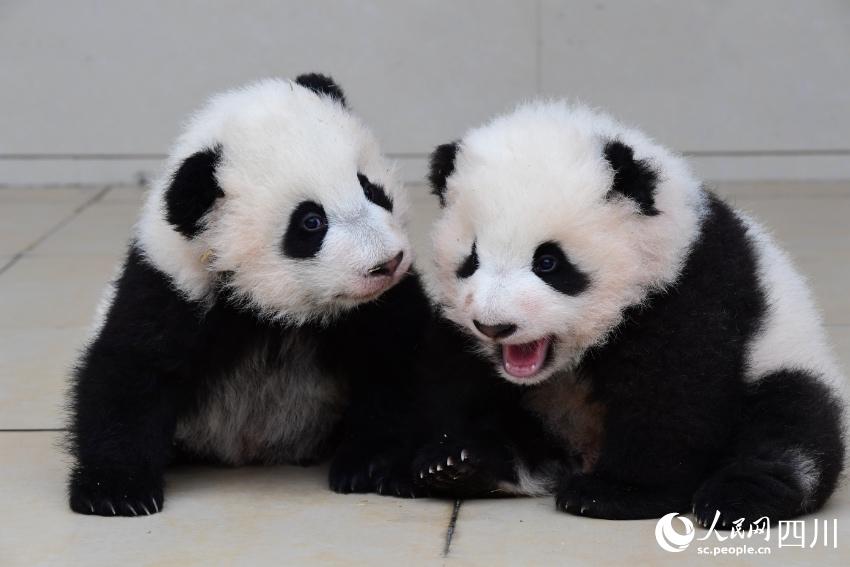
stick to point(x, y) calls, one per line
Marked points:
point(748, 489)
point(375, 347)
point(125, 396)
point(788, 455)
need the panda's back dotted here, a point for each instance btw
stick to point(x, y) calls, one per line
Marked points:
point(791, 334)
point(266, 397)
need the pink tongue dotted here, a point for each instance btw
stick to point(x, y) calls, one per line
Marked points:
point(522, 361)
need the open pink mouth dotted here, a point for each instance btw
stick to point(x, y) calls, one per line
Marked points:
point(526, 359)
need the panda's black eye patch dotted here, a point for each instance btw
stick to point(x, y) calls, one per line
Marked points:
point(469, 265)
point(551, 265)
point(375, 193)
point(306, 231)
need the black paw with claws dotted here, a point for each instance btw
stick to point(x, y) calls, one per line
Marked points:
point(115, 493)
point(463, 470)
point(361, 471)
point(588, 495)
point(750, 489)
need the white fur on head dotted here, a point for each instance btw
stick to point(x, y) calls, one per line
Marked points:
point(539, 174)
point(281, 144)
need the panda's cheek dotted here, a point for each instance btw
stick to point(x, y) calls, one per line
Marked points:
point(467, 300)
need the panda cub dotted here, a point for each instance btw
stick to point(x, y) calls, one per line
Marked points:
point(663, 338)
point(243, 318)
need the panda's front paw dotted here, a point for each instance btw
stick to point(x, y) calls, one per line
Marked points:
point(589, 495)
point(104, 492)
point(386, 473)
point(584, 495)
point(463, 469)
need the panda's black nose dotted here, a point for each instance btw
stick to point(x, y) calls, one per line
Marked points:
point(497, 331)
point(387, 268)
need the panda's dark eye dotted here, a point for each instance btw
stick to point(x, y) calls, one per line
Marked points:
point(545, 264)
point(305, 233)
point(312, 222)
point(551, 265)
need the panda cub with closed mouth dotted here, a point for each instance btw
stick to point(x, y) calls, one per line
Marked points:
point(663, 339)
point(243, 322)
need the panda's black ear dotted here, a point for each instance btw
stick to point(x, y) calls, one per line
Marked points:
point(441, 167)
point(323, 85)
point(192, 191)
point(633, 178)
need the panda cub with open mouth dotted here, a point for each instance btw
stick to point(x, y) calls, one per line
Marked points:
point(662, 338)
point(242, 323)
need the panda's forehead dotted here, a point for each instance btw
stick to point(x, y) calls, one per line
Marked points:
point(523, 197)
point(283, 157)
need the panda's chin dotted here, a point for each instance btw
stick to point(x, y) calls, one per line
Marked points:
point(370, 289)
point(525, 362)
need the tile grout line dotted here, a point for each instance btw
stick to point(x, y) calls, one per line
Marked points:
point(57, 227)
point(450, 531)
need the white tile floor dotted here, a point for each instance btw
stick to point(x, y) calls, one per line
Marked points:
point(58, 247)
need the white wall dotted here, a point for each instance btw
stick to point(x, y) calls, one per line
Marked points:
point(94, 91)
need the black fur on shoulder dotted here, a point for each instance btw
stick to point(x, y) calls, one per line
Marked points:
point(192, 191)
point(633, 178)
point(442, 165)
point(322, 85)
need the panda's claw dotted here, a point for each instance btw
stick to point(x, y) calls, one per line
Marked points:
point(155, 505)
point(464, 455)
point(449, 462)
